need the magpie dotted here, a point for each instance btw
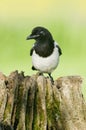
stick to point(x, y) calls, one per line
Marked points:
point(45, 51)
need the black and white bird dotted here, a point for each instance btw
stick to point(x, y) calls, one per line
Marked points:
point(45, 51)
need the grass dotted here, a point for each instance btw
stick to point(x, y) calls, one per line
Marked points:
point(14, 49)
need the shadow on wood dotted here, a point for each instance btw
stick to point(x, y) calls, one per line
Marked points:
point(34, 103)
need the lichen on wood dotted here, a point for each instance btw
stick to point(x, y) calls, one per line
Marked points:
point(34, 103)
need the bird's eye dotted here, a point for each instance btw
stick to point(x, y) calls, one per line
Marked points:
point(42, 32)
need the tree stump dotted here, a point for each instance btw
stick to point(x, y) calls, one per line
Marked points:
point(34, 103)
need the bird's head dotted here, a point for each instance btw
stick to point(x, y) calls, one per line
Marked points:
point(40, 33)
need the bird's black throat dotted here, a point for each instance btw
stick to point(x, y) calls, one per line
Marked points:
point(44, 48)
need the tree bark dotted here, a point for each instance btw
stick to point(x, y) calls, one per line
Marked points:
point(34, 103)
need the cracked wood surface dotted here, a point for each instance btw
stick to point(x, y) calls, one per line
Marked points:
point(34, 103)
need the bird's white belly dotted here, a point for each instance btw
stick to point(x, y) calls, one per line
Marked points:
point(46, 64)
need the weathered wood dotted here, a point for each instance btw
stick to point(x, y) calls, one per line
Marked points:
point(72, 104)
point(34, 103)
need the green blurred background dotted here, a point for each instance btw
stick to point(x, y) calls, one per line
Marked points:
point(65, 19)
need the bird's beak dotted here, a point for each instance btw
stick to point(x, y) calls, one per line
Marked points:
point(32, 37)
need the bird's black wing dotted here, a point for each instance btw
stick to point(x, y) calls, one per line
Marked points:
point(31, 51)
point(59, 49)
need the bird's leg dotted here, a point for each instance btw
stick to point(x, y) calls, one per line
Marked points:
point(51, 78)
point(39, 73)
